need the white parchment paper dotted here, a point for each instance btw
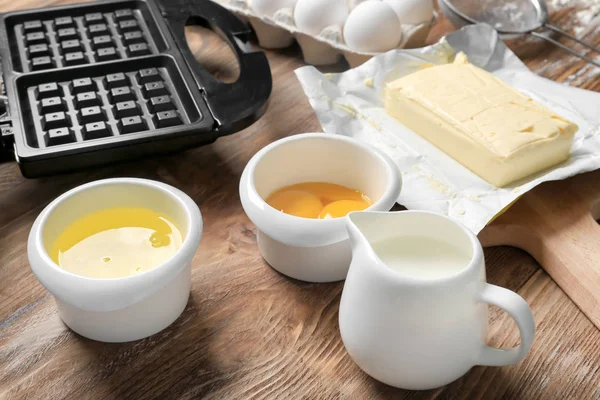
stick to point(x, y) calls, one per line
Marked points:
point(351, 104)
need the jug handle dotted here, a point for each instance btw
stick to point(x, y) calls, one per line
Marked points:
point(519, 310)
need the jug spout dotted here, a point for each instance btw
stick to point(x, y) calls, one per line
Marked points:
point(367, 227)
point(360, 226)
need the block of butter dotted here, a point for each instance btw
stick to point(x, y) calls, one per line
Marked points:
point(489, 127)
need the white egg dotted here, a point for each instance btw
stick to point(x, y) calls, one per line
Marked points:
point(267, 8)
point(353, 3)
point(372, 26)
point(412, 12)
point(312, 16)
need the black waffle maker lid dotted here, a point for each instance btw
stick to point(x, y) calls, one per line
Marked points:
point(96, 83)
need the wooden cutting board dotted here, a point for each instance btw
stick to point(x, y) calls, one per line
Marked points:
point(556, 224)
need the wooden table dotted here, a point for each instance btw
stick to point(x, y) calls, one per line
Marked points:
point(249, 332)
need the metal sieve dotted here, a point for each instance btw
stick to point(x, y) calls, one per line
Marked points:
point(511, 19)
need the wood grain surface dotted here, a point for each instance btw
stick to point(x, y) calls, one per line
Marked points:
point(557, 225)
point(249, 332)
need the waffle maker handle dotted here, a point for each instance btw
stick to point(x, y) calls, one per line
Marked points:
point(235, 105)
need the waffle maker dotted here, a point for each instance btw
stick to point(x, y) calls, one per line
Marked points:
point(96, 83)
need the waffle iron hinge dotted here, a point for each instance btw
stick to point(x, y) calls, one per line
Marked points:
point(6, 140)
point(6, 125)
point(6, 128)
point(217, 123)
point(183, 11)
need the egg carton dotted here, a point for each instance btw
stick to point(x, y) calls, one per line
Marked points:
point(280, 31)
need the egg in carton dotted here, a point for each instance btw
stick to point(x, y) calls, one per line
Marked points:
point(324, 29)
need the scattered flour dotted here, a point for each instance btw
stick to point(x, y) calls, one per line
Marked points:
point(590, 71)
point(583, 18)
point(521, 15)
point(504, 15)
point(587, 10)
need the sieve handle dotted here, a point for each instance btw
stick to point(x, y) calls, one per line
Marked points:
point(561, 32)
point(566, 48)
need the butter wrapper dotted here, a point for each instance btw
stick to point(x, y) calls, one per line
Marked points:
point(351, 104)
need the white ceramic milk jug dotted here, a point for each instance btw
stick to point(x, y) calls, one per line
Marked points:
point(421, 322)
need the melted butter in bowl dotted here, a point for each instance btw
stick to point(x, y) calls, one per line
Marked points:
point(116, 254)
point(116, 242)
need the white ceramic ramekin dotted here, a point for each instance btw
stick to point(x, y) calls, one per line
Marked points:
point(313, 250)
point(117, 309)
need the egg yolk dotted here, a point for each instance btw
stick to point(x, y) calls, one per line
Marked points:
point(342, 208)
point(296, 202)
point(318, 200)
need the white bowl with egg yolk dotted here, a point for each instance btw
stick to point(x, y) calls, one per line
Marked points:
point(313, 250)
point(117, 309)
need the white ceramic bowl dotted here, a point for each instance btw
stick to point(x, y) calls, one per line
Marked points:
point(313, 250)
point(117, 309)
